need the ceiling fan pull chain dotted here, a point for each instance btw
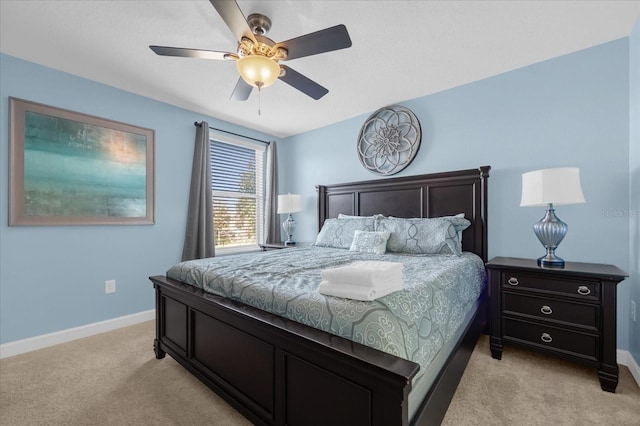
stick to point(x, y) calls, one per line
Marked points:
point(259, 98)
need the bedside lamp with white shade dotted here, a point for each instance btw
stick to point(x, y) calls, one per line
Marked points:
point(287, 204)
point(549, 187)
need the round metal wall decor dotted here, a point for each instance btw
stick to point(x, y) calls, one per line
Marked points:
point(389, 140)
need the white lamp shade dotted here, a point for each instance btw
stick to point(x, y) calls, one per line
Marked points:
point(557, 186)
point(289, 203)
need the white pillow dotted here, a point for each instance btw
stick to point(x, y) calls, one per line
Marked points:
point(370, 242)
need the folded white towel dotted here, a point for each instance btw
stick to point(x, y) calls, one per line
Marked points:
point(362, 280)
point(354, 291)
point(366, 273)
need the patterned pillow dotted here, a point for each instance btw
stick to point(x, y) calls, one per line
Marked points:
point(338, 233)
point(370, 242)
point(458, 221)
point(347, 216)
point(421, 236)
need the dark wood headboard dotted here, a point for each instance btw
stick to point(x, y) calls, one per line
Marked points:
point(432, 195)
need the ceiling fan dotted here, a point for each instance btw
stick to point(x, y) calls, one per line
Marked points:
point(257, 57)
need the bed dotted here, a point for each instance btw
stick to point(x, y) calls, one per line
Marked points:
point(277, 371)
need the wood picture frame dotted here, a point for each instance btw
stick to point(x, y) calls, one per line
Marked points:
point(69, 168)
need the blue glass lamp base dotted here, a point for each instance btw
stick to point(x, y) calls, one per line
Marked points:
point(550, 231)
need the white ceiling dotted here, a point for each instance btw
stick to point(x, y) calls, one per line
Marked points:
point(401, 49)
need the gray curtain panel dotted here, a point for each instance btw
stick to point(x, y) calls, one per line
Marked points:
point(199, 238)
point(271, 223)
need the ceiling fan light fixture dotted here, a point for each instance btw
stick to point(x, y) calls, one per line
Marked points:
point(257, 56)
point(258, 71)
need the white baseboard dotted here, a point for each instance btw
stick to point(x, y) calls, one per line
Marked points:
point(33, 343)
point(39, 342)
point(625, 358)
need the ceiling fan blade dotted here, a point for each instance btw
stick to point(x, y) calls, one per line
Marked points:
point(231, 14)
point(305, 85)
point(190, 53)
point(327, 40)
point(242, 91)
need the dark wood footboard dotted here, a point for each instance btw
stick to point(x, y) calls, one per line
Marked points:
point(276, 371)
point(279, 372)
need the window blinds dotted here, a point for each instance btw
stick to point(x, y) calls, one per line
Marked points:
point(237, 184)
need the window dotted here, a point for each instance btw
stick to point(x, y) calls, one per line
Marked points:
point(237, 182)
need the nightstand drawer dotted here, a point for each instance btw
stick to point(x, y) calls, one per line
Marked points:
point(576, 288)
point(575, 314)
point(582, 345)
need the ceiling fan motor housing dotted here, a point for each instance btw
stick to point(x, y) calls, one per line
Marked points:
point(264, 47)
point(259, 23)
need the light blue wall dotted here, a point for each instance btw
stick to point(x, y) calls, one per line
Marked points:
point(634, 186)
point(569, 111)
point(52, 278)
point(576, 106)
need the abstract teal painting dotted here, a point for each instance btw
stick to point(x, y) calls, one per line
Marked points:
point(69, 168)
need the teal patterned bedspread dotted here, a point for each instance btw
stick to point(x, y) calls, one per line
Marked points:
point(413, 323)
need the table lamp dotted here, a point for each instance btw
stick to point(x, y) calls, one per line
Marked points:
point(549, 187)
point(287, 204)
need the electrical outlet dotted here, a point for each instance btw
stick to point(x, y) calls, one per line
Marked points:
point(109, 286)
point(633, 311)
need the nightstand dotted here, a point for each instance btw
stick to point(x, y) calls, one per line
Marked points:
point(266, 247)
point(569, 312)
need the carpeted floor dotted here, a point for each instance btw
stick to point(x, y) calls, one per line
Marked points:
point(114, 379)
point(527, 388)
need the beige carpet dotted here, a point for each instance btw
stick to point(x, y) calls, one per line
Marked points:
point(114, 379)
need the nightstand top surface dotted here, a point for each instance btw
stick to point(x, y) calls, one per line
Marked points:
point(283, 245)
point(593, 269)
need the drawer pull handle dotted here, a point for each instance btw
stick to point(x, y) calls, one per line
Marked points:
point(584, 290)
point(546, 337)
point(546, 310)
point(513, 281)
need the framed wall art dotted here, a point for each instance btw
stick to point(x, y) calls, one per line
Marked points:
point(68, 168)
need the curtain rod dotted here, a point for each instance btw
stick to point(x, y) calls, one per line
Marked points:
point(195, 123)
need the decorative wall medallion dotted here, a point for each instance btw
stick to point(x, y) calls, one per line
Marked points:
point(389, 140)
